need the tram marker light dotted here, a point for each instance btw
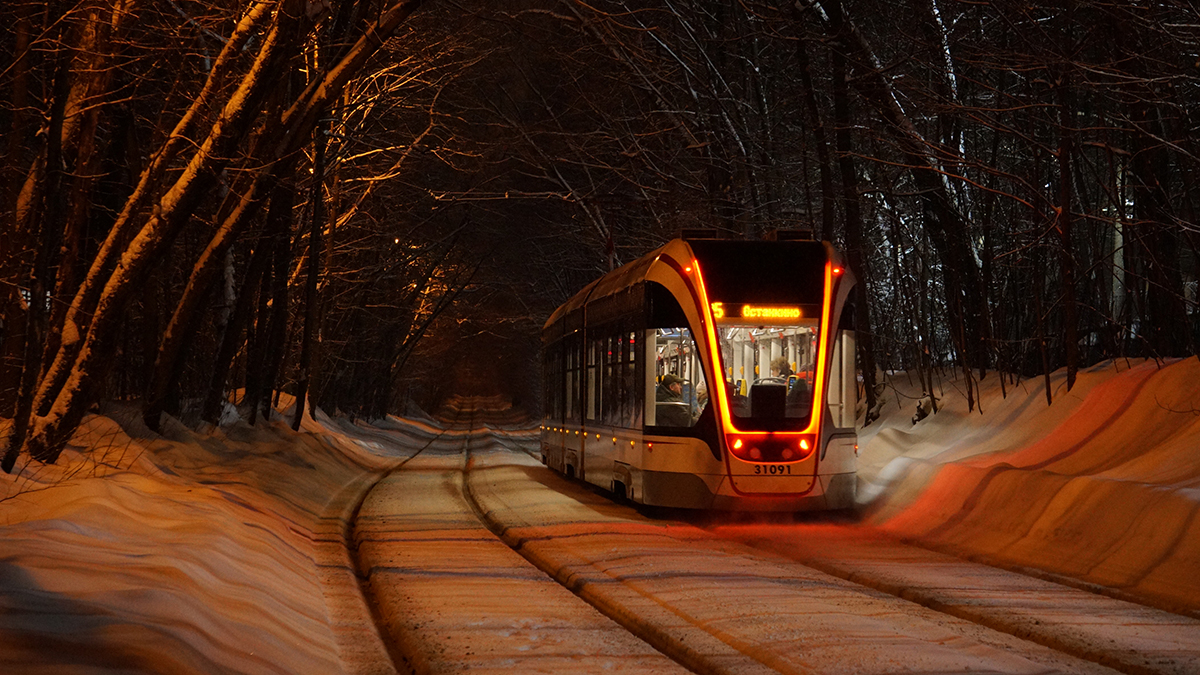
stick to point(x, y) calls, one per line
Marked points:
point(803, 443)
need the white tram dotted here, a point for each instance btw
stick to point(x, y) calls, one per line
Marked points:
point(756, 341)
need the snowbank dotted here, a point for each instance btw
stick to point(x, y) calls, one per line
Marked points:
point(1103, 486)
point(184, 554)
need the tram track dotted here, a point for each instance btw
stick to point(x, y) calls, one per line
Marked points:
point(432, 569)
point(680, 608)
point(400, 662)
point(668, 627)
point(1111, 631)
point(664, 584)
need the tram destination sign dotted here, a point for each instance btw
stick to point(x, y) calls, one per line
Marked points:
point(738, 312)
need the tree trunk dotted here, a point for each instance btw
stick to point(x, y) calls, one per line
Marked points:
point(854, 237)
point(316, 225)
point(1066, 140)
point(168, 363)
point(253, 286)
point(824, 166)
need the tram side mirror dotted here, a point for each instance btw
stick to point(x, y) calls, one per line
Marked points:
point(768, 400)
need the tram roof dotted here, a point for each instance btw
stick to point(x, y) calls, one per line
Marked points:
point(619, 279)
point(636, 271)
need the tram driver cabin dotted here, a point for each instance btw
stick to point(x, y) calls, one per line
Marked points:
point(756, 341)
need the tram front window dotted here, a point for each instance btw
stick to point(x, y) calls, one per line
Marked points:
point(769, 374)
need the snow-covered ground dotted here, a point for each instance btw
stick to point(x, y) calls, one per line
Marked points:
point(189, 553)
point(1103, 486)
point(223, 551)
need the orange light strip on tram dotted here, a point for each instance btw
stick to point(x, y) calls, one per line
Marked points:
point(822, 355)
point(719, 366)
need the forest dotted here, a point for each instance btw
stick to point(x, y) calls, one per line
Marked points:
point(355, 201)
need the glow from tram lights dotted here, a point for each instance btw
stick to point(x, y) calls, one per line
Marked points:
point(804, 444)
point(837, 271)
point(737, 444)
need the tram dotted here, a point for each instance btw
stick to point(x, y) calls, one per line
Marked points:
point(709, 374)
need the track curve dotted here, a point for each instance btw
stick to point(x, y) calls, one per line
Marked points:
point(478, 512)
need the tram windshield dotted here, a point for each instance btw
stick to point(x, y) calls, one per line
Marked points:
point(769, 374)
point(766, 300)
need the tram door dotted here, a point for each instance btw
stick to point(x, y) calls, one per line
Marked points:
point(843, 381)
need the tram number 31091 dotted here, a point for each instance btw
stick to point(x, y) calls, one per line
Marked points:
point(773, 469)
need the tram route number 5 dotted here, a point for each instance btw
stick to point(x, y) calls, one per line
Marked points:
point(773, 469)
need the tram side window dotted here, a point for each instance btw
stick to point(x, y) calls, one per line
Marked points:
point(592, 406)
point(555, 385)
point(573, 380)
point(609, 378)
point(631, 392)
point(680, 392)
point(614, 397)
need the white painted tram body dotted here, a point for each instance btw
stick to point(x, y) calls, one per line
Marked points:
point(718, 315)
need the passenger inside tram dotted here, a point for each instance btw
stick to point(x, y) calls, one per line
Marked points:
point(769, 372)
point(681, 394)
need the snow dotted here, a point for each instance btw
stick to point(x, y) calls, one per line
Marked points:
point(184, 554)
point(1100, 487)
point(223, 551)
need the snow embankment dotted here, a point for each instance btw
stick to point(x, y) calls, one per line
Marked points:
point(1103, 486)
point(188, 553)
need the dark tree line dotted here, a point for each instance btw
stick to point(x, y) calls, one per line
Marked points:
point(215, 201)
point(1011, 181)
